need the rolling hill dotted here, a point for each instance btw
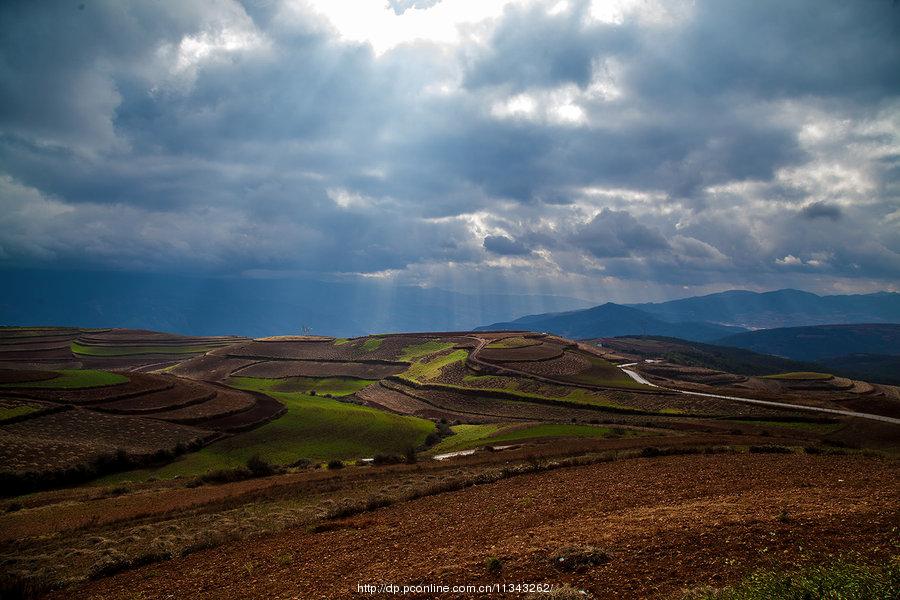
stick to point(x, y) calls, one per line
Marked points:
point(611, 320)
point(820, 342)
point(710, 356)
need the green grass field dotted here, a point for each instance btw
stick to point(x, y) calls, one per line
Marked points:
point(336, 386)
point(72, 379)
point(800, 376)
point(424, 371)
point(16, 411)
point(371, 344)
point(137, 350)
point(314, 427)
point(474, 436)
point(604, 373)
point(411, 353)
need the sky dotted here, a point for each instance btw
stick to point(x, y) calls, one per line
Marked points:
point(627, 150)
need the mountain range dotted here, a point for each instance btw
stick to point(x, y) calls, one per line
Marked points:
point(715, 316)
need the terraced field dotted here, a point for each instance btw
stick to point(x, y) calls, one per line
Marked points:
point(287, 398)
point(312, 428)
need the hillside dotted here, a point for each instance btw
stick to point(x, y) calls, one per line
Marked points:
point(696, 354)
point(820, 342)
point(611, 320)
point(781, 308)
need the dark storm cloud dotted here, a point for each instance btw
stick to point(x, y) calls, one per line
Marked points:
point(616, 234)
point(531, 48)
point(505, 246)
point(763, 133)
point(821, 210)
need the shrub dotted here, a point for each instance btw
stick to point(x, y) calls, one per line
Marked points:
point(493, 565)
point(387, 459)
point(301, 463)
point(410, 456)
point(335, 464)
point(259, 467)
point(580, 558)
point(226, 475)
point(771, 449)
point(651, 452)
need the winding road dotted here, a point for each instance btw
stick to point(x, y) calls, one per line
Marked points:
point(834, 411)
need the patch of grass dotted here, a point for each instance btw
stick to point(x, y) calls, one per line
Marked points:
point(336, 386)
point(371, 344)
point(73, 379)
point(465, 437)
point(423, 371)
point(512, 342)
point(313, 427)
point(411, 353)
point(839, 580)
point(341, 341)
point(137, 350)
point(16, 411)
point(800, 376)
point(472, 436)
point(604, 373)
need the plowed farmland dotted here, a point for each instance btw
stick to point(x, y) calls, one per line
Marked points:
point(318, 447)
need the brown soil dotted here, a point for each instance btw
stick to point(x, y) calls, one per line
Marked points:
point(294, 368)
point(224, 403)
point(17, 376)
point(666, 524)
point(77, 436)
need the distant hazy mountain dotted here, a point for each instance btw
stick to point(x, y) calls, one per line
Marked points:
point(820, 342)
point(610, 320)
point(253, 307)
point(782, 308)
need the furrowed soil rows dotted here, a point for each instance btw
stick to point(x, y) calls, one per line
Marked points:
point(280, 369)
point(543, 351)
point(69, 438)
point(137, 385)
point(265, 409)
point(224, 403)
point(184, 393)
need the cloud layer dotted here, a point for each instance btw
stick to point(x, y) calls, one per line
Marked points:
point(624, 150)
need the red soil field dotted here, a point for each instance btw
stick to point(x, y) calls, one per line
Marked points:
point(285, 368)
point(664, 524)
point(224, 403)
point(265, 408)
point(184, 393)
point(72, 437)
point(544, 351)
point(138, 384)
